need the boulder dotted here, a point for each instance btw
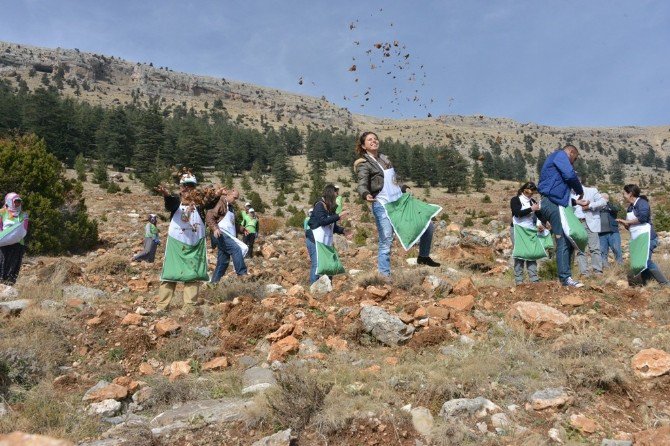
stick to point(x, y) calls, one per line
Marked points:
point(105, 408)
point(650, 363)
point(166, 327)
point(540, 319)
point(256, 379)
point(177, 369)
point(321, 286)
point(464, 287)
point(550, 397)
point(387, 329)
point(216, 364)
point(132, 319)
point(8, 292)
point(460, 303)
point(104, 390)
point(282, 438)
point(422, 420)
point(22, 439)
point(282, 348)
point(207, 411)
point(583, 423)
point(479, 407)
point(268, 251)
point(476, 237)
point(81, 292)
point(273, 288)
point(14, 307)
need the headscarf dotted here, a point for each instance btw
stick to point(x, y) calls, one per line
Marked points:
point(153, 218)
point(10, 200)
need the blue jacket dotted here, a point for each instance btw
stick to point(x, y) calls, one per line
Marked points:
point(642, 212)
point(557, 177)
point(322, 217)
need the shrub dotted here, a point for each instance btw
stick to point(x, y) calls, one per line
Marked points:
point(486, 199)
point(279, 213)
point(58, 219)
point(256, 202)
point(296, 220)
point(80, 167)
point(468, 222)
point(100, 173)
point(361, 236)
point(112, 188)
point(269, 225)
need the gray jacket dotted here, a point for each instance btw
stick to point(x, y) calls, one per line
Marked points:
point(370, 175)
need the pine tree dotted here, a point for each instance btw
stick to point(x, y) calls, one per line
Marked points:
point(617, 175)
point(114, 139)
point(478, 181)
point(150, 142)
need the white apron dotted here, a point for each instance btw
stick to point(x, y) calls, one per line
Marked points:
point(227, 226)
point(391, 191)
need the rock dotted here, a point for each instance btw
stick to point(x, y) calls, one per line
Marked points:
point(653, 437)
point(8, 292)
point(555, 435)
point(273, 288)
point(14, 307)
point(3, 409)
point(453, 227)
point(146, 369)
point(377, 292)
point(282, 348)
point(422, 420)
point(449, 240)
point(650, 363)
point(127, 382)
point(94, 321)
point(479, 406)
point(609, 442)
point(205, 332)
point(572, 301)
point(538, 318)
point(476, 237)
point(166, 327)
point(132, 319)
point(387, 329)
point(465, 287)
point(281, 332)
point(501, 422)
point(22, 439)
point(104, 390)
point(461, 303)
point(177, 369)
point(355, 272)
point(138, 285)
point(208, 411)
point(282, 438)
point(583, 423)
point(216, 364)
point(321, 286)
point(337, 344)
point(105, 408)
point(296, 290)
point(268, 251)
point(257, 379)
point(550, 397)
point(412, 261)
point(439, 312)
point(82, 292)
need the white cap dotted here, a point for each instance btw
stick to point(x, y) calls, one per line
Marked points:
point(247, 204)
point(337, 186)
point(251, 210)
point(310, 210)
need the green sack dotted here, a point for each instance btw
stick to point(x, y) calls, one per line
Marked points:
point(410, 218)
point(527, 244)
point(573, 228)
point(639, 247)
point(546, 239)
point(327, 260)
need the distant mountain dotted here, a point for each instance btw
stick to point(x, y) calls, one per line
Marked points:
point(110, 81)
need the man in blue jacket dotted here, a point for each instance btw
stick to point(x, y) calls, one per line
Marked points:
point(557, 180)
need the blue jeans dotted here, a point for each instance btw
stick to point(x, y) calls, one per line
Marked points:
point(563, 246)
point(311, 250)
point(385, 230)
point(610, 240)
point(652, 270)
point(227, 249)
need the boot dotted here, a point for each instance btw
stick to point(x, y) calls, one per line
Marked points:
point(658, 275)
point(427, 261)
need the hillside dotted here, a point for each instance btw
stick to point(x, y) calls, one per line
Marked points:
point(107, 80)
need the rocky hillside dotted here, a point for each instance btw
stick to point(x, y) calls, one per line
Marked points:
point(107, 80)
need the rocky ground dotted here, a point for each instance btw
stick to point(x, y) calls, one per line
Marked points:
point(451, 355)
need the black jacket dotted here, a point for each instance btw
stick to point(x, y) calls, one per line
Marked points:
point(322, 217)
point(515, 205)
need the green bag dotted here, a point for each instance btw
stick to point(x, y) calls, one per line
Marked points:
point(527, 244)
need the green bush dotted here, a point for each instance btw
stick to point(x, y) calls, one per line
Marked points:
point(58, 219)
point(296, 219)
point(662, 219)
point(256, 202)
point(486, 199)
point(111, 187)
point(100, 173)
point(468, 222)
point(361, 236)
point(80, 167)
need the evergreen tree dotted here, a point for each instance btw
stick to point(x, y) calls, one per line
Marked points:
point(282, 170)
point(478, 181)
point(541, 158)
point(43, 115)
point(114, 139)
point(150, 142)
point(617, 175)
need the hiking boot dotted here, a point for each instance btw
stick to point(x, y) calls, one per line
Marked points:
point(573, 283)
point(426, 261)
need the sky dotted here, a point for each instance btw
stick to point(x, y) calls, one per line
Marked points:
point(552, 62)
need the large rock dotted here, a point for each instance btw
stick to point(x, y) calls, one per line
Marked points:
point(465, 287)
point(256, 379)
point(207, 411)
point(422, 420)
point(14, 307)
point(479, 407)
point(321, 286)
point(177, 369)
point(82, 292)
point(476, 237)
point(460, 303)
point(550, 397)
point(8, 292)
point(166, 327)
point(22, 439)
point(282, 348)
point(105, 408)
point(387, 329)
point(538, 318)
point(653, 437)
point(650, 363)
point(105, 391)
point(282, 438)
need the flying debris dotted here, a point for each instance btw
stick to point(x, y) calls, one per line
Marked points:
point(352, 68)
point(352, 25)
point(357, 42)
point(300, 81)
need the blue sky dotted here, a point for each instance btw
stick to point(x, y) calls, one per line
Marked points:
point(564, 63)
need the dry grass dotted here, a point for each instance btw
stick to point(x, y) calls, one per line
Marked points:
point(371, 278)
point(298, 397)
point(659, 304)
point(34, 345)
point(231, 287)
point(108, 264)
point(43, 410)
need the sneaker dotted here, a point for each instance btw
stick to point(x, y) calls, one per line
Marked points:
point(426, 261)
point(573, 283)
